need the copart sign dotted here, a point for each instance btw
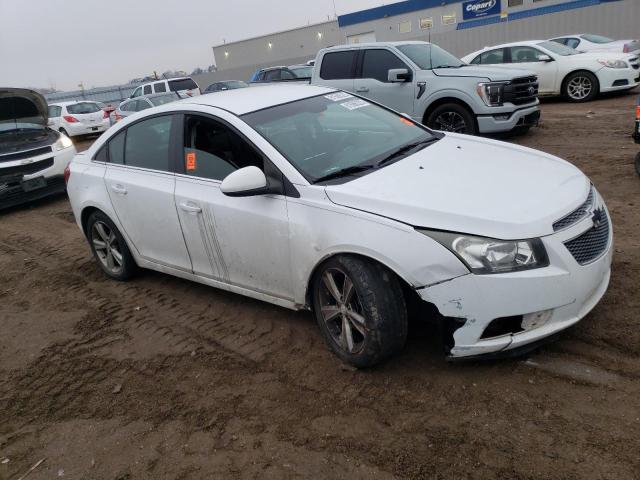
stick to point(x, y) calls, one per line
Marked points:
point(480, 8)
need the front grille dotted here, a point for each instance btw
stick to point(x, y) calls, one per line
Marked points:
point(593, 243)
point(28, 169)
point(25, 154)
point(577, 215)
point(521, 90)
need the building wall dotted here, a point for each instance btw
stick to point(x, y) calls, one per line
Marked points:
point(613, 18)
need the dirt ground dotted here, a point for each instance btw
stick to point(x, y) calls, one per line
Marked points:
point(163, 378)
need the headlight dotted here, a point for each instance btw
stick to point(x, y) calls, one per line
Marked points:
point(488, 255)
point(613, 63)
point(491, 93)
point(62, 143)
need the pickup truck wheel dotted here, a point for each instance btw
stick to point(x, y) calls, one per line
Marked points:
point(451, 117)
point(638, 164)
point(580, 86)
point(360, 309)
point(109, 247)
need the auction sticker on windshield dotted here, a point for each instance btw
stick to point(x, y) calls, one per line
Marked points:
point(354, 104)
point(336, 97)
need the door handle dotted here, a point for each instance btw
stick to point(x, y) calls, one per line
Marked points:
point(190, 207)
point(362, 89)
point(119, 189)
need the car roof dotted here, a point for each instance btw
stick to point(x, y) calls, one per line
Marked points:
point(246, 100)
point(376, 44)
point(512, 44)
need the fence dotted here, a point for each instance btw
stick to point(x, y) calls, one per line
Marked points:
point(114, 94)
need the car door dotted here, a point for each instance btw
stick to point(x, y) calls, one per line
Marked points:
point(373, 82)
point(242, 241)
point(141, 186)
point(527, 58)
point(337, 69)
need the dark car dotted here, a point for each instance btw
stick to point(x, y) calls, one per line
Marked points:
point(225, 85)
point(293, 73)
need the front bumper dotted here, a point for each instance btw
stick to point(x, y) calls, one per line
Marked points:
point(614, 79)
point(565, 287)
point(505, 122)
point(25, 180)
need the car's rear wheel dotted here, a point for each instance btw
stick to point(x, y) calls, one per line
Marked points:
point(109, 247)
point(580, 86)
point(360, 309)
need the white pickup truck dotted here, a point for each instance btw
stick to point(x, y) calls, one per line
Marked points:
point(432, 86)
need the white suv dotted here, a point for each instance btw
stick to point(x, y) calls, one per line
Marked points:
point(183, 86)
point(308, 197)
point(78, 118)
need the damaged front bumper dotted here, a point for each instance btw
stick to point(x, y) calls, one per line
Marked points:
point(506, 312)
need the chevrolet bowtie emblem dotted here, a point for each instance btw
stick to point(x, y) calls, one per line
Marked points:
point(598, 218)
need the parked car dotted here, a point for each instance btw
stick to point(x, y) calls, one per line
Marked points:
point(183, 86)
point(636, 134)
point(432, 86)
point(562, 70)
point(106, 107)
point(588, 42)
point(33, 157)
point(225, 85)
point(293, 73)
point(309, 197)
point(134, 105)
point(78, 118)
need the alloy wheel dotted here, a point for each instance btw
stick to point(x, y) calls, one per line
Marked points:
point(342, 311)
point(107, 247)
point(579, 88)
point(450, 122)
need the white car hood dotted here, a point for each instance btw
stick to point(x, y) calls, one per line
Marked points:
point(471, 185)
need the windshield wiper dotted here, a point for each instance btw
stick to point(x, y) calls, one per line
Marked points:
point(343, 172)
point(405, 149)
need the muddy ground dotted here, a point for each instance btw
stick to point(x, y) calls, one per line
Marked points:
point(163, 378)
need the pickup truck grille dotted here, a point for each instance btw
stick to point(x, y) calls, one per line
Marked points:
point(521, 90)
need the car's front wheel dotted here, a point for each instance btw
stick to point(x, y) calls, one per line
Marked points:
point(109, 247)
point(451, 117)
point(360, 309)
point(580, 86)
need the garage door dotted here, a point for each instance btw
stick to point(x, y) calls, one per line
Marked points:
point(362, 38)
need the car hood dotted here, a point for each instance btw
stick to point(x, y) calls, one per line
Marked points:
point(21, 104)
point(491, 73)
point(470, 185)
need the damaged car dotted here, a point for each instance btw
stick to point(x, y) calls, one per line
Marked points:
point(312, 198)
point(33, 157)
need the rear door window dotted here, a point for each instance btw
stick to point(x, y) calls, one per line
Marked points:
point(272, 76)
point(147, 143)
point(159, 87)
point(182, 84)
point(378, 62)
point(338, 65)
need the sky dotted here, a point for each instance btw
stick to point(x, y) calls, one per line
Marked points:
point(62, 43)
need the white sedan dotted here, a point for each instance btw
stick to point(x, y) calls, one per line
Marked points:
point(561, 70)
point(308, 197)
point(588, 42)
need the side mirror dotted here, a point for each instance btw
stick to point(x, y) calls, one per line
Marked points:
point(544, 58)
point(397, 75)
point(245, 182)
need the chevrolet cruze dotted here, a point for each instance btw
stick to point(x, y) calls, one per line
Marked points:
point(308, 197)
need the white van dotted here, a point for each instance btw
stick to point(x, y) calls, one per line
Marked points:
point(183, 86)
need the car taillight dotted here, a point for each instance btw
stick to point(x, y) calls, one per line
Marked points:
point(638, 112)
point(105, 114)
point(70, 119)
point(67, 174)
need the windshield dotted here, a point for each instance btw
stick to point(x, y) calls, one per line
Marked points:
point(597, 38)
point(302, 72)
point(324, 134)
point(558, 48)
point(84, 107)
point(162, 99)
point(428, 56)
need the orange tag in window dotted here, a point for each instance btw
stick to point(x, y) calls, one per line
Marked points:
point(191, 161)
point(408, 122)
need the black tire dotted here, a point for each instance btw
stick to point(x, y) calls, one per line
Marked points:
point(377, 300)
point(124, 268)
point(575, 93)
point(638, 164)
point(451, 117)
